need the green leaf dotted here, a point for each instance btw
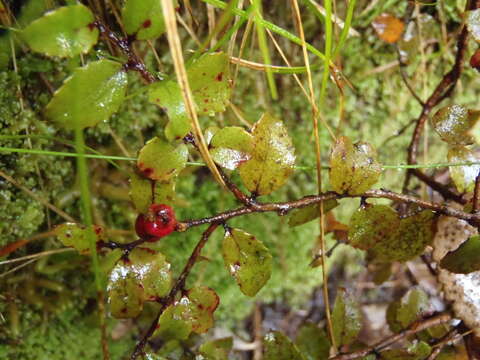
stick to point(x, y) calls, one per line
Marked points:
point(92, 94)
point(371, 225)
point(109, 260)
point(453, 123)
point(152, 272)
point(158, 160)
point(193, 312)
point(309, 213)
point(125, 295)
point(209, 80)
point(413, 306)
point(231, 146)
point(465, 259)
point(141, 192)
point(247, 259)
point(144, 276)
point(76, 236)
point(144, 18)
point(417, 351)
point(463, 176)
point(217, 349)
point(346, 318)
point(313, 342)
point(202, 303)
point(279, 347)
point(378, 228)
point(353, 167)
point(273, 157)
point(473, 23)
point(66, 32)
point(172, 325)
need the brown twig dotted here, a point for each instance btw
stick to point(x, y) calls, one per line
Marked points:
point(124, 44)
point(438, 187)
point(412, 329)
point(179, 285)
point(405, 80)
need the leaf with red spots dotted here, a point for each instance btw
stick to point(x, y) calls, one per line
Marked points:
point(279, 347)
point(158, 160)
point(231, 146)
point(353, 167)
point(64, 32)
point(76, 236)
point(247, 259)
point(145, 192)
point(144, 276)
point(346, 318)
point(144, 18)
point(193, 312)
point(273, 157)
point(209, 80)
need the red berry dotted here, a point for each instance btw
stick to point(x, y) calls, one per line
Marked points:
point(157, 223)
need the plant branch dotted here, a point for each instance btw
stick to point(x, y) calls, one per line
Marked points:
point(412, 329)
point(476, 195)
point(179, 286)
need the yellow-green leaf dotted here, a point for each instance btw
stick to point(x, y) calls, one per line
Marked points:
point(453, 123)
point(273, 157)
point(217, 349)
point(279, 347)
point(309, 213)
point(92, 94)
point(231, 146)
point(66, 32)
point(144, 18)
point(463, 176)
point(346, 318)
point(209, 79)
point(312, 342)
point(247, 259)
point(172, 324)
point(158, 160)
point(76, 236)
point(143, 193)
point(353, 167)
point(125, 293)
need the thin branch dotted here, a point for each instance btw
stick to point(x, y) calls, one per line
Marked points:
point(411, 330)
point(179, 285)
point(476, 195)
point(438, 187)
point(405, 79)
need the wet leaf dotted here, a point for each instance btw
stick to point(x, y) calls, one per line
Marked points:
point(144, 276)
point(353, 167)
point(346, 318)
point(152, 271)
point(273, 157)
point(193, 312)
point(209, 80)
point(378, 228)
point(312, 342)
point(372, 225)
point(92, 94)
point(108, 262)
point(66, 32)
point(247, 259)
point(76, 236)
point(172, 324)
point(453, 123)
point(210, 132)
point(309, 213)
point(463, 176)
point(231, 146)
point(125, 294)
point(388, 28)
point(418, 351)
point(473, 23)
point(141, 192)
point(143, 18)
point(279, 347)
point(465, 259)
point(217, 349)
point(158, 160)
